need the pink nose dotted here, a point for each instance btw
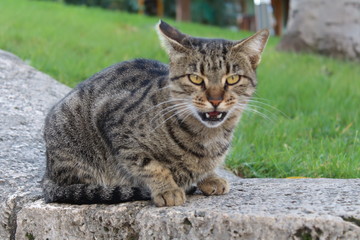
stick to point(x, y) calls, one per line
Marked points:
point(215, 102)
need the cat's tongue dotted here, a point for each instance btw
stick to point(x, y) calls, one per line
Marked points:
point(214, 114)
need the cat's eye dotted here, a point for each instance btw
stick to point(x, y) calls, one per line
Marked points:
point(233, 79)
point(195, 79)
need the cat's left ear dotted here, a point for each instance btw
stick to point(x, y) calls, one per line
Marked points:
point(171, 39)
point(253, 46)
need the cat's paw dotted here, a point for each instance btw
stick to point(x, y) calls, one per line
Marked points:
point(214, 186)
point(172, 197)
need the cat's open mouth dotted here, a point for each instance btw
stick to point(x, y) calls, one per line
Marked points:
point(213, 116)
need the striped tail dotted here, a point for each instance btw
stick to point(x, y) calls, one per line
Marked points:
point(91, 194)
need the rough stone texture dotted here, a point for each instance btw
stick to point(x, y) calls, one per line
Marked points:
point(323, 26)
point(254, 208)
point(25, 96)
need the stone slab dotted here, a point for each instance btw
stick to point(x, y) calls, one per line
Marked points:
point(25, 96)
point(254, 208)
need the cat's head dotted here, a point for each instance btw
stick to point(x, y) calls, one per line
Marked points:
point(212, 78)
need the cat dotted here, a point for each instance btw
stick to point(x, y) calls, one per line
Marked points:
point(141, 129)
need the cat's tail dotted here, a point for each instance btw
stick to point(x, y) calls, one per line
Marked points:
point(91, 194)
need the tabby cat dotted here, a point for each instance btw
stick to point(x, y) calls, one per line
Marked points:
point(142, 129)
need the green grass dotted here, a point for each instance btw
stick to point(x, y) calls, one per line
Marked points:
point(311, 127)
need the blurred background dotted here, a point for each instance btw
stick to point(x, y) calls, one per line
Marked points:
point(237, 14)
point(303, 120)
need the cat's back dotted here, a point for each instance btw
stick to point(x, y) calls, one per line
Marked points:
point(120, 87)
point(128, 75)
point(129, 78)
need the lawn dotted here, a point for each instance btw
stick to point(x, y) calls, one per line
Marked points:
point(305, 116)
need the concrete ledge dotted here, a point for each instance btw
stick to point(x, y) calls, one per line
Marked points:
point(254, 208)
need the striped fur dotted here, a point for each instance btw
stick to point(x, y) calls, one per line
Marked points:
point(140, 129)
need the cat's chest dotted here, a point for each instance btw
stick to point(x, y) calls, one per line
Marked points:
point(198, 144)
point(204, 155)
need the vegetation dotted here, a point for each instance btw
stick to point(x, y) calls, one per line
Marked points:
point(212, 12)
point(305, 116)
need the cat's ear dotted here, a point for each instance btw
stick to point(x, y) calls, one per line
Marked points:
point(171, 39)
point(253, 46)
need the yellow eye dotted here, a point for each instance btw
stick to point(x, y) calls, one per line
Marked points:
point(233, 79)
point(195, 79)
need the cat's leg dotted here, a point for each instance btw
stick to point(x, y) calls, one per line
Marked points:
point(213, 185)
point(159, 179)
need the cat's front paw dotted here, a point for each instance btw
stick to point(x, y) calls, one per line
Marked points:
point(214, 186)
point(172, 197)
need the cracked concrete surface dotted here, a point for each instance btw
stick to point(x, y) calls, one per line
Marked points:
point(254, 208)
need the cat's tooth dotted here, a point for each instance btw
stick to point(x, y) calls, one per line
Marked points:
point(219, 115)
point(207, 115)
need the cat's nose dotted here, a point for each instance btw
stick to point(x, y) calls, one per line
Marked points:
point(215, 102)
point(215, 96)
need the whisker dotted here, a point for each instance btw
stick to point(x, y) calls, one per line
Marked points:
point(168, 110)
point(263, 109)
point(159, 104)
point(246, 108)
point(187, 114)
point(182, 110)
point(268, 105)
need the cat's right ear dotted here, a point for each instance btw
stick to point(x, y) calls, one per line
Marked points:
point(253, 46)
point(171, 39)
